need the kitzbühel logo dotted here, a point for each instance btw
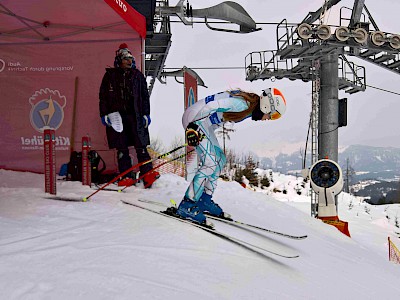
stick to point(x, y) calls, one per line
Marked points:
point(2, 65)
point(47, 109)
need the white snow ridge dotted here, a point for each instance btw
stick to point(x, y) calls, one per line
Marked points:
point(104, 249)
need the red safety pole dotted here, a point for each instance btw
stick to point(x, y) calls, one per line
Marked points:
point(86, 166)
point(49, 138)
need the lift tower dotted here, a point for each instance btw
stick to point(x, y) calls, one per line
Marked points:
point(317, 52)
point(159, 35)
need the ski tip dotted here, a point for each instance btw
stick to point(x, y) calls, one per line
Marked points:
point(84, 199)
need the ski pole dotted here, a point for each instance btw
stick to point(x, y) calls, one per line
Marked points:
point(134, 167)
point(156, 167)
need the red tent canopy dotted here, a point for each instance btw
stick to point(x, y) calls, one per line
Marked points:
point(52, 59)
point(72, 20)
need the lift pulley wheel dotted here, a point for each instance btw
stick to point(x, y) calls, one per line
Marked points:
point(342, 33)
point(324, 32)
point(304, 31)
point(360, 35)
point(394, 41)
point(378, 38)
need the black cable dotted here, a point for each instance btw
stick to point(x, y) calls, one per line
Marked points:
point(329, 130)
point(239, 68)
point(230, 23)
point(305, 150)
point(380, 89)
point(208, 68)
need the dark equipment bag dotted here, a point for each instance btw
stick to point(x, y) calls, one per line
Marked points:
point(74, 168)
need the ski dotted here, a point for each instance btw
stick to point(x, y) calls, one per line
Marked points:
point(110, 189)
point(239, 223)
point(253, 248)
point(64, 198)
point(137, 166)
point(158, 166)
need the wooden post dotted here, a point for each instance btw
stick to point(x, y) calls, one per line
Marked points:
point(74, 114)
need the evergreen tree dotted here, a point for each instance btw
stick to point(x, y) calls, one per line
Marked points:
point(382, 200)
point(265, 181)
point(238, 174)
point(249, 171)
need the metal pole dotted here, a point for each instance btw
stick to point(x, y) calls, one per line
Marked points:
point(329, 108)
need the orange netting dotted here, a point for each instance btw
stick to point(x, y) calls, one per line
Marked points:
point(394, 253)
point(175, 167)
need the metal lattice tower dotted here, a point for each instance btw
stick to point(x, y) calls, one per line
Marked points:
point(301, 46)
point(316, 84)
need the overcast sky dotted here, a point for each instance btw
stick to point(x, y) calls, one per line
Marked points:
point(373, 115)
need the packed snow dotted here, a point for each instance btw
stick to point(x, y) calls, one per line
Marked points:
point(104, 249)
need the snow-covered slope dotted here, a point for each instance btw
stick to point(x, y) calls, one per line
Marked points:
point(104, 249)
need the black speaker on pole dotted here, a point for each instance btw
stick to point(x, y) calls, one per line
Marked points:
point(343, 112)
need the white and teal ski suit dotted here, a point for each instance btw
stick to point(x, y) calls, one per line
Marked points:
point(207, 113)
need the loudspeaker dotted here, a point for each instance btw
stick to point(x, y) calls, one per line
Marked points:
point(342, 112)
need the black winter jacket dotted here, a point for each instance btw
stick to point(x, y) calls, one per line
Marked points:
point(125, 91)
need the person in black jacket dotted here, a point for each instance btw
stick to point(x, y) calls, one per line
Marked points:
point(124, 90)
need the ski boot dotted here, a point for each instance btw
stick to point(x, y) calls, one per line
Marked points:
point(127, 181)
point(208, 206)
point(149, 179)
point(188, 209)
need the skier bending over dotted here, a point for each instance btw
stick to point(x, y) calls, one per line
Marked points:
point(200, 121)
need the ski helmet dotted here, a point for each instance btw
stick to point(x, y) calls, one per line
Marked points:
point(273, 102)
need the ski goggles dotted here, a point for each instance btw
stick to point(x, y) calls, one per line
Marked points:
point(274, 115)
point(127, 57)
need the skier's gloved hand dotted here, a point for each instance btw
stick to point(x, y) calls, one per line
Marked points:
point(106, 120)
point(146, 121)
point(193, 136)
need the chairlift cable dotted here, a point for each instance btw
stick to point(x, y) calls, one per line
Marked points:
point(384, 90)
point(242, 68)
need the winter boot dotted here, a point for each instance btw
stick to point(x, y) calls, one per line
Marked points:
point(127, 181)
point(207, 205)
point(188, 209)
point(149, 179)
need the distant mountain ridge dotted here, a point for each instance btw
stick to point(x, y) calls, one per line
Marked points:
point(371, 159)
point(379, 165)
point(366, 161)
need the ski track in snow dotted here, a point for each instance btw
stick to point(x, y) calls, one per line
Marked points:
point(102, 249)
